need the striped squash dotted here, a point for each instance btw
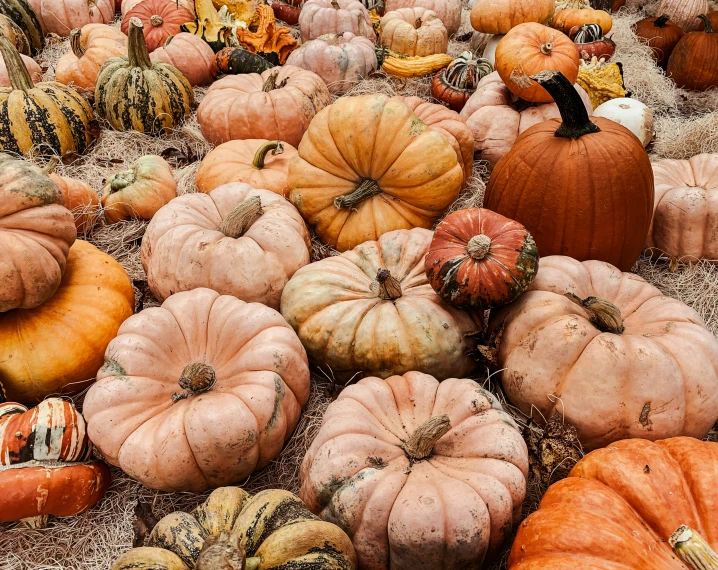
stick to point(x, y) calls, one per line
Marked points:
point(135, 93)
point(49, 118)
point(20, 12)
point(17, 37)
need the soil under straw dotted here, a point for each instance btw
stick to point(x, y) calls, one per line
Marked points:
point(686, 124)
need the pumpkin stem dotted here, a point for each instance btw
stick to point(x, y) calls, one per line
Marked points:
point(706, 24)
point(479, 246)
point(156, 20)
point(366, 189)
point(121, 180)
point(136, 46)
point(605, 316)
point(574, 117)
point(239, 220)
point(19, 75)
point(271, 82)
point(695, 552)
point(421, 443)
point(661, 21)
point(547, 48)
point(335, 5)
point(75, 46)
point(221, 552)
point(37, 522)
point(275, 146)
point(388, 287)
point(417, 23)
point(168, 41)
point(49, 168)
point(196, 378)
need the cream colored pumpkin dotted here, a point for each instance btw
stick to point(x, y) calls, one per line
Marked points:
point(321, 17)
point(684, 12)
point(413, 32)
point(62, 16)
point(448, 11)
point(637, 117)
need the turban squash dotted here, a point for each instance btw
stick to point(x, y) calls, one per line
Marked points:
point(62, 16)
point(609, 352)
point(270, 530)
point(23, 14)
point(420, 474)
point(372, 310)
point(455, 84)
point(620, 508)
point(46, 465)
point(198, 393)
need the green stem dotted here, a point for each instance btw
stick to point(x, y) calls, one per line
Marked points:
point(19, 75)
point(707, 24)
point(252, 563)
point(121, 180)
point(262, 151)
point(366, 189)
point(136, 46)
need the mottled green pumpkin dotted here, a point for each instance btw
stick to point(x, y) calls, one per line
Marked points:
point(48, 118)
point(20, 12)
point(135, 93)
point(271, 530)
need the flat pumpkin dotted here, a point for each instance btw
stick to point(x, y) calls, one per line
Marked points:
point(454, 85)
point(693, 63)
point(413, 32)
point(684, 12)
point(500, 16)
point(127, 5)
point(448, 11)
point(321, 17)
point(62, 16)
point(161, 18)
point(566, 19)
point(198, 393)
point(191, 56)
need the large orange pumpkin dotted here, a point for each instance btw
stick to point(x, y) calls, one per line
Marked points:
point(566, 19)
point(162, 20)
point(368, 165)
point(499, 16)
point(419, 474)
point(610, 353)
point(581, 188)
point(694, 61)
point(620, 508)
point(198, 393)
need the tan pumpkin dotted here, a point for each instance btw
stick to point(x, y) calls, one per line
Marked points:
point(499, 16)
point(448, 11)
point(321, 17)
point(496, 118)
point(80, 199)
point(62, 16)
point(257, 162)
point(413, 31)
point(191, 55)
point(161, 18)
point(139, 191)
point(128, 5)
point(198, 393)
point(372, 311)
point(420, 474)
point(278, 104)
point(610, 353)
point(684, 12)
point(564, 20)
point(31, 65)
point(685, 218)
point(90, 48)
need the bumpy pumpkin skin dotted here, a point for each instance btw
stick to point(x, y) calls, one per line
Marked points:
point(693, 63)
point(452, 509)
point(81, 200)
point(619, 506)
point(218, 433)
point(448, 11)
point(62, 16)
point(162, 20)
point(36, 232)
point(321, 17)
point(685, 218)
point(499, 16)
point(23, 14)
point(345, 321)
point(59, 345)
point(351, 194)
point(657, 379)
point(413, 32)
point(191, 55)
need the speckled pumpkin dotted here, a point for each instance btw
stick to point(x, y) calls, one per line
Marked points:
point(413, 32)
point(14, 33)
point(62, 16)
point(20, 12)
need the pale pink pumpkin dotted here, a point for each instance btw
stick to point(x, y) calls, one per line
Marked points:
point(62, 16)
point(321, 17)
point(448, 11)
point(191, 55)
point(413, 32)
point(32, 66)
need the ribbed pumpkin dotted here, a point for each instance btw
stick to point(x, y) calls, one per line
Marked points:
point(80, 199)
point(480, 259)
point(637, 117)
point(661, 34)
point(448, 11)
point(46, 465)
point(368, 165)
point(693, 64)
point(321, 17)
point(413, 32)
point(135, 93)
point(36, 232)
point(455, 84)
point(564, 20)
point(713, 18)
point(128, 5)
point(499, 16)
point(271, 530)
point(59, 346)
point(90, 48)
point(47, 118)
point(30, 64)
point(191, 55)
point(257, 162)
point(557, 171)
point(198, 393)
point(14, 33)
point(20, 12)
point(162, 19)
point(684, 12)
point(62, 16)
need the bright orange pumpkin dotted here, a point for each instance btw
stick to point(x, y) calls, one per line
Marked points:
point(161, 18)
point(499, 16)
point(566, 19)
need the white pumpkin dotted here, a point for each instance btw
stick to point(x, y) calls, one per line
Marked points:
point(490, 48)
point(632, 114)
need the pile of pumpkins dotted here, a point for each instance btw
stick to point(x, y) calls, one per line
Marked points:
point(415, 465)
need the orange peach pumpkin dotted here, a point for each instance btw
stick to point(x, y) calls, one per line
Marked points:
point(500, 16)
point(413, 32)
point(81, 200)
point(32, 66)
point(448, 11)
point(62, 16)
point(191, 55)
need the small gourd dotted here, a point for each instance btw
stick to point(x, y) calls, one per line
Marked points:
point(602, 81)
point(455, 84)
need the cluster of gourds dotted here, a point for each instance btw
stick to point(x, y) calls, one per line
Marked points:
point(415, 465)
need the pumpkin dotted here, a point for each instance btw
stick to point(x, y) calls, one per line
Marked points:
point(36, 232)
point(128, 5)
point(80, 199)
point(278, 104)
point(242, 242)
point(632, 114)
point(417, 66)
point(22, 14)
point(496, 118)
point(59, 345)
point(601, 81)
point(47, 118)
point(661, 34)
point(286, 12)
point(693, 63)
point(62, 16)
point(584, 340)
point(448, 11)
point(713, 18)
point(161, 18)
point(45, 463)
point(135, 93)
point(322, 17)
point(14, 33)
point(139, 191)
point(264, 37)
point(500, 16)
point(567, 19)
point(684, 12)
point(480, 259)
point(351, 193)
point(529, 49)
point(591, 42)
point(90, 48)
point(526, 186)
point(341, 60)
point(413, 31)
point(455, 84)
point(272, 529)
point(571, 4)
point(418, 473)
point(371, 310)
point(31, 65)
point(489, 51)
point(685, 219)
point(237, 61)
point(257, 162)
point(191, 56)
point(198, 393)
point(218, 31)
point(627, 506)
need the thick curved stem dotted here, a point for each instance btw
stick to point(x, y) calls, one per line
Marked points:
point(239, 220)
point(388, 287)
point(275, 146)
point(420, 444)
point(19, 75)
point(706, 24)
point(136, 46)
point(479, 246)
point(364, 191)
point(661, 21)
point(196, 378)
point(75, 46)
point(693, 550)
point(271, 82)
point(605, 316)
point(49, 168)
